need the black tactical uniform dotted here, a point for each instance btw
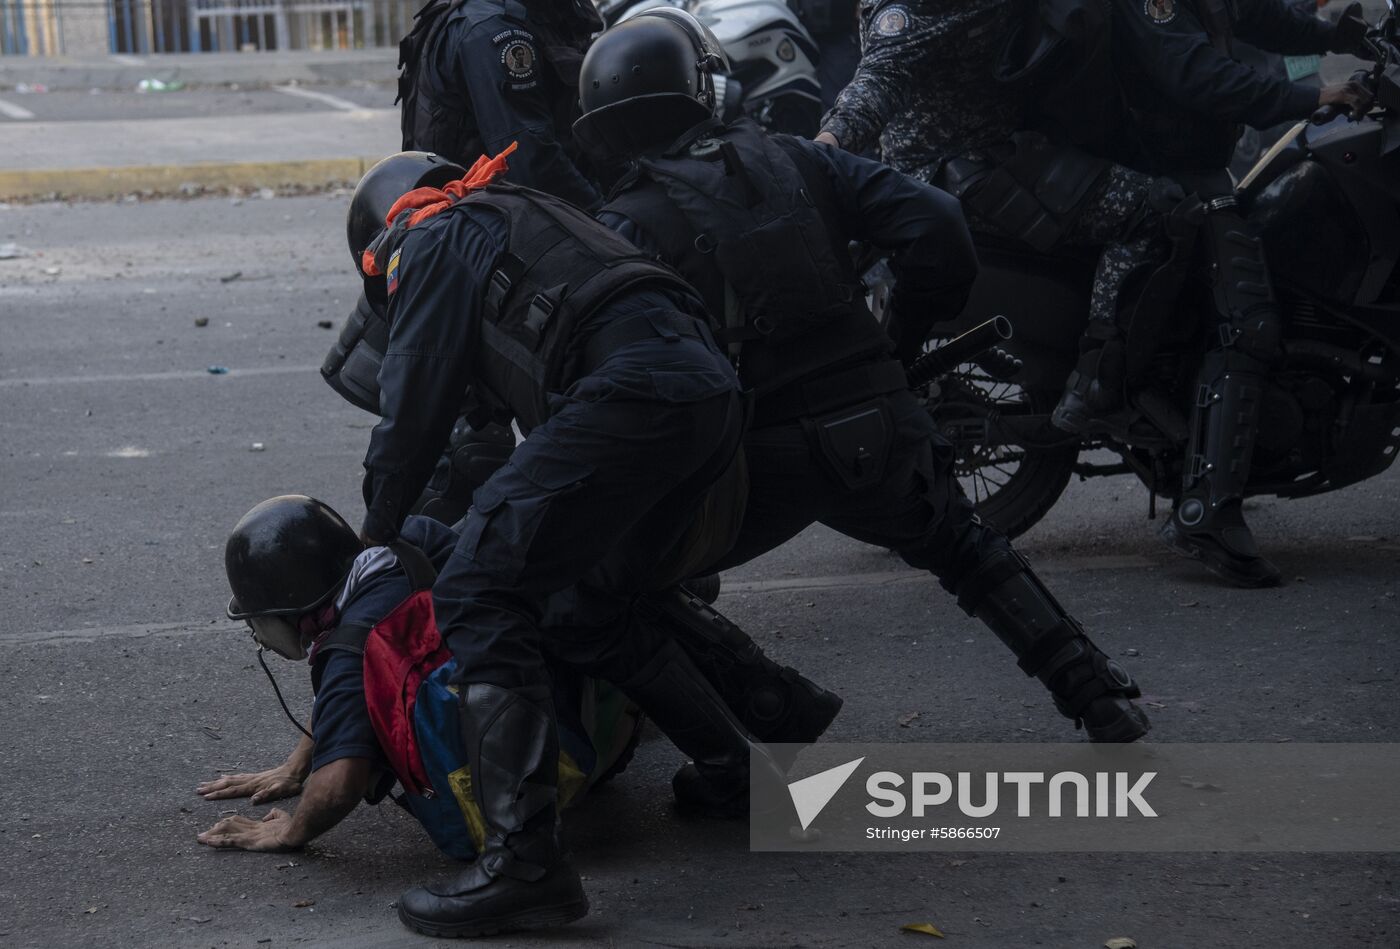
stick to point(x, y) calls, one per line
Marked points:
point(633, 421)
point(1187, 95)
point(760, 226)
point(480, 74)
point(928, 88)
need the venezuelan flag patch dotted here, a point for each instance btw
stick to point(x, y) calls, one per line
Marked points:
point(393, 274)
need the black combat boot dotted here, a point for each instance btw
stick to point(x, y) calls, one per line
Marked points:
point(1093, 398)
point(724, 758)
point(1207, 523)
point(1089, 688)
point(520, 880)
point(775, 704)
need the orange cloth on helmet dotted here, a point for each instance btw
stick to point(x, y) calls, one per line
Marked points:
point(426, 202)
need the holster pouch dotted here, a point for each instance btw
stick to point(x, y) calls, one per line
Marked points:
point(352, 366)
point(1033, 194)
point(855, 442)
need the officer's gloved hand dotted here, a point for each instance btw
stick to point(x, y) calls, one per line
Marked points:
point(1349, 35)
point(1164, 194)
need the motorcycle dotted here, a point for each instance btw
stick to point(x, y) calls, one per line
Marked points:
point(1326, 200)
point(772, 75)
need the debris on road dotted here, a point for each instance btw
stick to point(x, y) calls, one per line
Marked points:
point(907, 719)
point(1120, 942)
point(257, 446)
point(928, 929)
point(52, 271)
point(218, 370)
point(31, 88)
point(325, 324)
point(10, 252)
point(302, 904)
point(159, 85)
point(231, 277)
point(201, 321)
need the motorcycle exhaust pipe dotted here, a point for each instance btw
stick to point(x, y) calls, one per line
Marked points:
point(959, 350)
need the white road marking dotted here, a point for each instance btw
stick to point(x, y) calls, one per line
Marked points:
point(156, 376)
point(14, 111)
point(335, 102)
point(850, 580)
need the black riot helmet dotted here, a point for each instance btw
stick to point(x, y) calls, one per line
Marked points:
point(659, 52)
point(289, 555)
point(384, 184)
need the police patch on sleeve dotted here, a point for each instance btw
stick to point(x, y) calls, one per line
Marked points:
point(520, 60)
point(1160, 12)
point(891, 21)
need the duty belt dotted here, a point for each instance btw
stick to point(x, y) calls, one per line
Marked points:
point(829, 393)
point(650, 324)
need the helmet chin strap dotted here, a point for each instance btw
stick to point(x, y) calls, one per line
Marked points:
point(290, 717)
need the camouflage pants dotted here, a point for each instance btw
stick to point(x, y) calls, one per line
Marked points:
point(1116, 220)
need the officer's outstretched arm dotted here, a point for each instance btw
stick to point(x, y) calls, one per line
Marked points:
point(424, 373)
point(504, 76)
point(897, 41)
point(285, 780)
point(332, 792)
point(1169, 44)
point(923, 230)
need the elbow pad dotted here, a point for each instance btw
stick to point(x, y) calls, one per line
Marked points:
point(352, 366)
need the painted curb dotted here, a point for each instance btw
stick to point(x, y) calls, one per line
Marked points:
point(115, 182)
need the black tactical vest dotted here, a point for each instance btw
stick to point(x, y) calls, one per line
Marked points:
point(752, 230)
point(559, 267)
point(441, 121)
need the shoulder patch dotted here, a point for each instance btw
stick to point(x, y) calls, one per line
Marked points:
point(392, 275)
point(1160, 12)
point(520, 59)
point(891, 21)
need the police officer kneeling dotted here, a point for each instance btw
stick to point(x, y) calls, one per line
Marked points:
point(760, 226)
point(633, 421)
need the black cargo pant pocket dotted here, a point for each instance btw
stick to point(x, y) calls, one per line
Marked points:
point(854, 443)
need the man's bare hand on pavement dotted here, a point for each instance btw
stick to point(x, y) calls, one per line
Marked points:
point(245, 833)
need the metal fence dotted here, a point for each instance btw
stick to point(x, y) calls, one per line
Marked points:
point(139, 27)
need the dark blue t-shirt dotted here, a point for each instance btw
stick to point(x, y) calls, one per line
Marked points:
point(340, 723)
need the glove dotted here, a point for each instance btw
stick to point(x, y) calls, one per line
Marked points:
point(1349, 34)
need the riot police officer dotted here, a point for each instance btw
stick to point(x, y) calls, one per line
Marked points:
point(952, 94)
point(477, 75)
point(632, 419)
point(1186, 95)
point(760, 226)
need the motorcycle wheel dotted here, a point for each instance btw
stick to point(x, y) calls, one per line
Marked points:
point(1013, 486)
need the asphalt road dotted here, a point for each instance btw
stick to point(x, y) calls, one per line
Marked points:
point(124, 463)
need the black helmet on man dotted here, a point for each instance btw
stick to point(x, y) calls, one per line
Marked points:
point(287, 557)
point(383, 185)
point(659, 52)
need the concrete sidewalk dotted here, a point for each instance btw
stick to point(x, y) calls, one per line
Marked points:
point(117, 157)
point(169, 156)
